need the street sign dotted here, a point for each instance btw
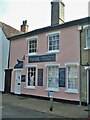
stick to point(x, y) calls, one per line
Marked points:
point(50, 94)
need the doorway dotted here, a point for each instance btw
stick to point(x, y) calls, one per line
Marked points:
point(18, 82)
point(89, 88)
point(7, 85)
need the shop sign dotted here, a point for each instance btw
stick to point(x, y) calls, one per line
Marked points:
point(42, 58)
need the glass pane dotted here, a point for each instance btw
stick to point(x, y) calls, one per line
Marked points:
point(53, 77)
point(72, 77)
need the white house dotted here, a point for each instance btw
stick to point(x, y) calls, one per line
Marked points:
point(5, 32)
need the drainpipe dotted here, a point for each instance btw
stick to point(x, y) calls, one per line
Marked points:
point(80, 101)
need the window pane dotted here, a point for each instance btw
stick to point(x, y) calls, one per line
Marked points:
point(32, 46)
point(88, 37)
point(31, 76)
point(72, 77)
point(54, 42)
point(52, 76)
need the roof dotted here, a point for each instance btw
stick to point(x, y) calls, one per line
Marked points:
point(8, 30)
point(82, 21)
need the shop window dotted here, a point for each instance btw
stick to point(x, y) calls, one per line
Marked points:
point(53, 42)
point(87, 37)
point(72, 78)
point(32, 46)
point(31, 76)
point(52, 77)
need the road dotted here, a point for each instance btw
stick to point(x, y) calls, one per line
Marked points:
point(15, 106)
point(11, 111)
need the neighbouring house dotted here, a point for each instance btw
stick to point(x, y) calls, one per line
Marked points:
point(85, 61)
point(5, 31)
point(53, 59)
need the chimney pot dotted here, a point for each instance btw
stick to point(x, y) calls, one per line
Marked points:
point(24, 26)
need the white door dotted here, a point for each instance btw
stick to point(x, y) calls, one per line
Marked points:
point(18, 82)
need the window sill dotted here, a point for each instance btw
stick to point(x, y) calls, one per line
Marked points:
point(86, 48)
point(30, 87)
point(31, 54)
point(54, 51)
point(73, 92)
point(52, 89)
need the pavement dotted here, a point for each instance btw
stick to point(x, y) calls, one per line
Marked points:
point(65, 110)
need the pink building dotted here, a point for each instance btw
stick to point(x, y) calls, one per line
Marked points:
point(47, 59)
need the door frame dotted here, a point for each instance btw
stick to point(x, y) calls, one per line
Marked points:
point(16, 70)
point(88, 83)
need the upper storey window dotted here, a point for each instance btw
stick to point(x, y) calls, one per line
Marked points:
point(53, 42)
point(88, 37)
point(32, 45)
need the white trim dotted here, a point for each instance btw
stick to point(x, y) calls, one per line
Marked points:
point(30, 87)
point(32, 38)
point(51, 33)
point(53, 51)
point(87, 67)
point(31, 54)
point(71, 63)
point(87, 86)
point(48, 88)
point(71, 91)
point(17, 69)
point(86, 26)
point(52, 89)
point(86, 48)
point(30, 65)
point(47, 65)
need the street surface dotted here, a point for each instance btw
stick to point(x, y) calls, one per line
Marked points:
point(10, 111)
point(14, 106)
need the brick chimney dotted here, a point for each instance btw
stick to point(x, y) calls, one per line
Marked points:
point(57, 12)
point(24, 26)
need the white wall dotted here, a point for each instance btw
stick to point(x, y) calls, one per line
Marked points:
point(4, 50)
point(0, 59)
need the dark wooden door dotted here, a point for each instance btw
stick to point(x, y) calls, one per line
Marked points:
point(8, 73)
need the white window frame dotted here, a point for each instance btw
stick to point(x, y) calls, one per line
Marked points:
point(71, 90)
point(31, 39)
point(29, 66)
point(51, 34)
point(48, 88)
point(86, 28)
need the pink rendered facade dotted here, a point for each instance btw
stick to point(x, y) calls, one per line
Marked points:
point(67, 55)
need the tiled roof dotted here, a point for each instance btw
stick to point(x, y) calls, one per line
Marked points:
point(8, 30)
